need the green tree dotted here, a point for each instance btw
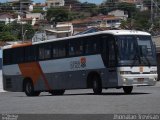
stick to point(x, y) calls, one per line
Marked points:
point(107, 6)
point(110, 5)
point(30, 31)
point(13, 31)
point(7, 36)
point(58, 15)
point(129, 7)
point(142, 20)
point(90, 7)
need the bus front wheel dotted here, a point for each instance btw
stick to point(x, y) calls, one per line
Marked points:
point(96, 85)
point(127, 89)
point(29, 89)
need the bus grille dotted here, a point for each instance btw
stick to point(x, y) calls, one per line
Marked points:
point(141, 73)
point(8, 83)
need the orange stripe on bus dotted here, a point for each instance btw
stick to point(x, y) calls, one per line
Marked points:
point(44, 77)
point(34, 71)
point(21, 45)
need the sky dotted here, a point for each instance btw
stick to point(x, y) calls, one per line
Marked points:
point(91, 1)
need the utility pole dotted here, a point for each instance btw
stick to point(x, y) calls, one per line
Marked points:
point(24, 35)
point(21, 15)
point(156, 8)
point(151, 12)
point(22, 30)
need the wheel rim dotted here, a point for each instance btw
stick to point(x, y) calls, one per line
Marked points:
point(28, 88)
point(94, 84)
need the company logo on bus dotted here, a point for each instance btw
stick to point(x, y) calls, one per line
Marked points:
point(141, 69)
point(83, 62)
point(78, 64)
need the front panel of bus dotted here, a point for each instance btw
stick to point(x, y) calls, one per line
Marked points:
point(136, 60)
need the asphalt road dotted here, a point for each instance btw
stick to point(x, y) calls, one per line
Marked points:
point(142, 100)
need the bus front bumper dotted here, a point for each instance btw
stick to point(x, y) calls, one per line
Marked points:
point(139, 80)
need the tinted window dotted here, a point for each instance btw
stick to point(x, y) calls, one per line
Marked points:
point(112, 52)
point(7, 58)
point(75, 47)
point(13, 56)
point(30, 53)
point(92, 45)
point(59, 49)
point(19, 55)
point(45, 51)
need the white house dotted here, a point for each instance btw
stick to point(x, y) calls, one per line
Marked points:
point(111, 22)
point(61, 30)
point(119, 14)
point(37, 16)
point(54, 3)
point(6, 18)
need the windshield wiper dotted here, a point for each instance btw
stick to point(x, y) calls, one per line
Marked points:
point(147, 60)
point(135, 58)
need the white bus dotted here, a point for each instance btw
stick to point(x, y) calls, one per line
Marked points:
point(106, 59)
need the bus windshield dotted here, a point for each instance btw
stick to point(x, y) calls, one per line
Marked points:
point(135, 50)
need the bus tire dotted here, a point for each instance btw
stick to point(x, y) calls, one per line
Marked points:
point(57, 92)
point(29, 89)
point(96, 85)
point(127, 89)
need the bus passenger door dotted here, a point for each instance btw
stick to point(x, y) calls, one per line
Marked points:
point(111, 62)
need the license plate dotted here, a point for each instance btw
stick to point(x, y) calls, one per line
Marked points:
point(140, 79)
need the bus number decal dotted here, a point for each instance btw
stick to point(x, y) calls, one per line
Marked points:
point(78, 64)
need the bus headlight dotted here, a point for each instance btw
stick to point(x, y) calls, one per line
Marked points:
point(155, 79)
point(125, 72)
point(124, 79)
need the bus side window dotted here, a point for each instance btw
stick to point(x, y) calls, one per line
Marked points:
point(55, 51)
point(14, 56)
point(47, 51)
point(104, 49)
point(30, 53)
point(7, 57)
point(75, 47)
point(111, 50)
point(92, 45)
point(59, 49)
point(41, 52)
point(19, 56)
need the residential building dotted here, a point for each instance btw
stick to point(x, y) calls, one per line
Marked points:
point(6, 18)
point(54, 3)
point(20, 5)
point(38, 6)
point(131, 1)
point(119, 14)
point(37, 16)
point(111, 22)
point(98, 21)
point(61, 30)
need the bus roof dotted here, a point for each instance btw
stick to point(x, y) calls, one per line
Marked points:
point(112, 32)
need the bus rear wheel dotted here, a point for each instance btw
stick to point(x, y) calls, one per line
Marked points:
point(96, 85)
point(127, 89)
point(29, 89)
point(57, 92)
